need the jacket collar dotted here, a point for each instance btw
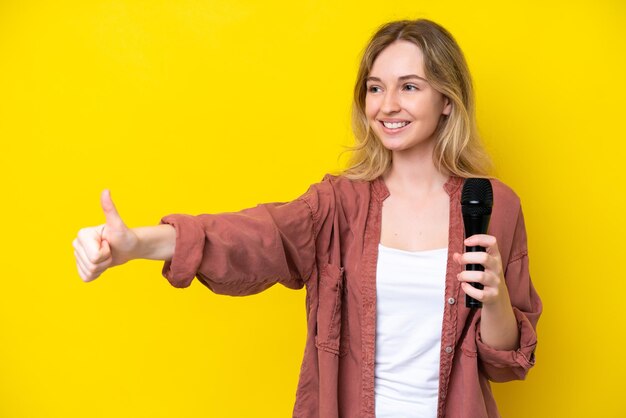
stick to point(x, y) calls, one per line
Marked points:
point(381, 191)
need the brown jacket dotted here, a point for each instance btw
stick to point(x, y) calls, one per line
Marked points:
point(327, 240)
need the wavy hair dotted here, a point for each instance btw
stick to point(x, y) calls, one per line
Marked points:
point(458, 149)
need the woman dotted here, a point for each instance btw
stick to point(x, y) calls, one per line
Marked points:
point(379, 248)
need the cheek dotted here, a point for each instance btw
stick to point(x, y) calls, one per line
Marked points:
point(371, 108)
point(438, 103)
point(427, 107)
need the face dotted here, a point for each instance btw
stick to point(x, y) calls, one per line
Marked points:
point(402, 109)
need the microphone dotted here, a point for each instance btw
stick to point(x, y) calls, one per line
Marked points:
point(476, 203)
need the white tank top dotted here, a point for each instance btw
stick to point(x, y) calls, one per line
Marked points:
point(410, 300)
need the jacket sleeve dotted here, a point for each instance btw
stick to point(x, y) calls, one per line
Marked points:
point(505, 365)
point(245, 252)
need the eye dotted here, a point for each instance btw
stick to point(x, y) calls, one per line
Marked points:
point(410, 87)
point(373, 89)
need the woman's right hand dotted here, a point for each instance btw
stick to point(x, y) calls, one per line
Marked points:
point(99, 247)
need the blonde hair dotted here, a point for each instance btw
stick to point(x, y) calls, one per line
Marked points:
point(458, 150)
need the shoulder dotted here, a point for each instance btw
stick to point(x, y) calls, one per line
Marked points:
point(507, 222)
point(504, 197)
point(334, 192)
point(339, 187)
point(345, 185)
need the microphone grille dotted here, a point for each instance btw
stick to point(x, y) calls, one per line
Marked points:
point(477, 192)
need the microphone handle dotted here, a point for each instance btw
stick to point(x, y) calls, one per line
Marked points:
point(470, 302)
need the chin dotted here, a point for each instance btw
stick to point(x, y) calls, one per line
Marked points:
point(419, 147)
point(395, 147)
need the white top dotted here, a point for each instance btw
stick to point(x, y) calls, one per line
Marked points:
point(410, 300)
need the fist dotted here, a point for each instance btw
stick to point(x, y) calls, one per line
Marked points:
point(99, 247)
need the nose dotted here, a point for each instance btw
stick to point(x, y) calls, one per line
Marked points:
point(391, 103)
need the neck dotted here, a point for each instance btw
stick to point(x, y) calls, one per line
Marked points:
point(413, 171)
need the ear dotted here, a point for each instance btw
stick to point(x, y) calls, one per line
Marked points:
point(447, 106)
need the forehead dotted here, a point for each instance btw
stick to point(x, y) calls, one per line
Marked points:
point(398, 59)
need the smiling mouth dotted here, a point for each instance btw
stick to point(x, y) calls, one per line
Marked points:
point(394, 125)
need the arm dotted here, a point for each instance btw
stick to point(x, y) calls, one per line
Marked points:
point(497, 320)
point(232, 253)
point(505, 327)
point(245, 252)
point(155, 242)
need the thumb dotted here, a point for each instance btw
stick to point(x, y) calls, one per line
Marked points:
point(105, 250)
point(113, 218)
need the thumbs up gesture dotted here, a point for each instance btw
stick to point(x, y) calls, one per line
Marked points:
point(99, 247)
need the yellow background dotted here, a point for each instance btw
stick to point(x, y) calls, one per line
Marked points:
point(196, 106)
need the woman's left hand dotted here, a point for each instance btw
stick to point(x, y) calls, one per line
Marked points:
point(495, 291)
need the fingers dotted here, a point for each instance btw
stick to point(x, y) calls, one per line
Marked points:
point(489, 242)
point(113, 218)
point(489, 262)
point(86, 271)
point(487, 295)
point(93, 252)
point(105, 250)
point(82, 271)
point(93, 255)
point(486, 278)
point(490, 258)
point(90, 242)
point(478, 294)
point(491, 291)
point(89, 271)
point(491, 278)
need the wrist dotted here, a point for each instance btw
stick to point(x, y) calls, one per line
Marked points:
point(499, 328)
point(500, 306)
point(155, 242)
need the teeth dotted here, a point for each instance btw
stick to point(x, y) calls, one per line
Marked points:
point(395, 125)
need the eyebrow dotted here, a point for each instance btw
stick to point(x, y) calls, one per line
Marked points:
point(401, 78)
